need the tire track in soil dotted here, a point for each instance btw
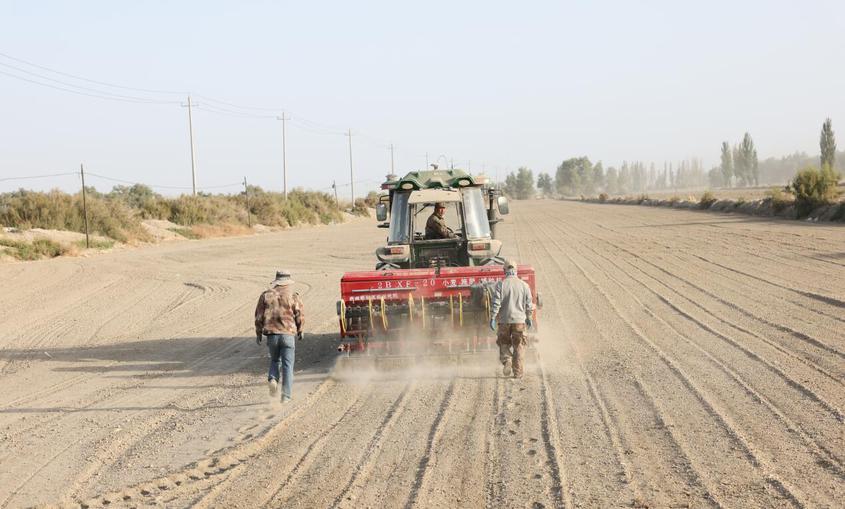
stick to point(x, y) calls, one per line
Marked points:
point(461, 448)
point(756, 317)
point(106, 442)
point(708, 405)
point(199, 481)
point(492, 465)
point(365, 467)
point(312, 454)
point(560, 489)
point(434, 434)
point(790, 381)
point(695, 256)
point(613, 431)
point(564, 489)
point(692, 251)
point(104, 393)
point(825, 457)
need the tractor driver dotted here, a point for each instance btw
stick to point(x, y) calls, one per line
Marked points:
point(435, 227)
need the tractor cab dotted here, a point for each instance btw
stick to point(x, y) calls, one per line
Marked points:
point(460, 234)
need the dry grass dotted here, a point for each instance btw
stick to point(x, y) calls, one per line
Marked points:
point(35, 250)
point(118, 214)
point(204, 231)
point(707, 199)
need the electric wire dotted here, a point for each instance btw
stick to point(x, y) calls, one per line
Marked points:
point(122, 181)
point(227, 109)
point(103, 92)
point(237, 106)
point(103, 83)
point(98, 96)
point(5, 179)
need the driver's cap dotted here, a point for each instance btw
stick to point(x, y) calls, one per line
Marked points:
point(440, 205)
point(510, 264)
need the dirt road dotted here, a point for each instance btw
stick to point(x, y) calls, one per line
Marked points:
point(687, 359)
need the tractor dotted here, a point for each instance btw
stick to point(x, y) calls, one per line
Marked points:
point(429, 296)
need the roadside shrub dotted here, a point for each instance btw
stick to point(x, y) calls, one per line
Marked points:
point(372, 199)
point(118, 214)
point(39, 248)
point(188, 233)
point(707, 200)
point(56, 210)
point(641, 198)
point(840, 213)
point(360, 208)
point(674, 199)
point(813, 187)
point(779, 199)
point(603, 197)
point(95, 244)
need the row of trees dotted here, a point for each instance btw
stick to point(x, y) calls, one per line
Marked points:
point(579, 175)
point(739, 167)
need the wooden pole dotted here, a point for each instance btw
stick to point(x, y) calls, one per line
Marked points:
point(84, 206)
point(246, 195)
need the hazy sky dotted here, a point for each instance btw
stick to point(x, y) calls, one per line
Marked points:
point(499, 84)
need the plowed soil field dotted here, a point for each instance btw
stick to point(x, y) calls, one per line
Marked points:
point(686, 360)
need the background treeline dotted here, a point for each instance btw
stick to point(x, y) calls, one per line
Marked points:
point(739, 167)
point(118, 213)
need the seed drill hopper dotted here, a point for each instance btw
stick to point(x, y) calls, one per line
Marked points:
point(428, 297)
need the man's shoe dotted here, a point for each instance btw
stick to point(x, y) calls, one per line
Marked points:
point(285, 399)
point(273, 385)
point(506, 369)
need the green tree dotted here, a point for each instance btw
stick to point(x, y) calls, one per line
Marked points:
point(813, 188)
point(745, 161)
point(611, 181)
point(520, 185)
point(598, 176)
point(524, 183)
point(569, 178)
point(827, 143)
point(545, 184)
point(511, 187)
point(623, 182)
point(715, 177)
point(727, 166)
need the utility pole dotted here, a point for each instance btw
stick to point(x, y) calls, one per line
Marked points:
point(451, 164)
point(84, 206)
point(336, 201)
point(246, 195)
point(391, 159)
point(351, 172)
point(283, 118)
point(191, 133)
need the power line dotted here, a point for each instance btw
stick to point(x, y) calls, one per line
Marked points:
point(4, 179)
point(237, 106)
point(103, 83)
point(102, 92)
point(232, 113)
point(98, 96)
point(218, 107)
point(129, 182)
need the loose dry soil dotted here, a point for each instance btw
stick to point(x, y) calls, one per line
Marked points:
point(686, 359)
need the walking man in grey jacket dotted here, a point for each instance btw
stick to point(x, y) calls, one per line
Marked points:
point(513, 309)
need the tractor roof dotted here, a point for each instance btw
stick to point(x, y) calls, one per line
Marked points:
point(435, 179)
point(434, 196)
